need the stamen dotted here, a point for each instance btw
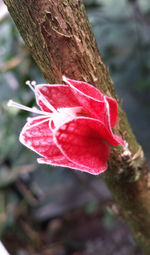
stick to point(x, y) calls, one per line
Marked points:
point(71, 111)
point(42, 121)
point(31, 85)
point(44, 100)
point(11, 103)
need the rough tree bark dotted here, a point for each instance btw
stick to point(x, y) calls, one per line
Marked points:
point(59, 37)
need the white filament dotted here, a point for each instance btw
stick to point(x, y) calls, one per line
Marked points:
point(65, 114)
point(12, 103)
point(35, 89)
point(39, 123)
point(31, 85)
point(59, 116)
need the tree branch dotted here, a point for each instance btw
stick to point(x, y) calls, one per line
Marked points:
point(59, 37)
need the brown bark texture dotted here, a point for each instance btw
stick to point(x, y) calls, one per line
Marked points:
point(59, 37)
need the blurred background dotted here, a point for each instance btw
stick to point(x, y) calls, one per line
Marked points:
point(56, 211)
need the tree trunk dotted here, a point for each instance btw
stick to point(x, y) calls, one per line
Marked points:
point(59, 37)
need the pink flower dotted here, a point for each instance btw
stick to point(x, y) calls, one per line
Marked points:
point(74, 126)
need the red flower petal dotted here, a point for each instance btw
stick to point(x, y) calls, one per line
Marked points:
point(37, 136)
point(85, 88)
point(113, 107)
point(81, 142)
point(89, 97)
point(92, 99)
point(74, 126)
point(56, 95)
point(64, 162)
point(107, 124)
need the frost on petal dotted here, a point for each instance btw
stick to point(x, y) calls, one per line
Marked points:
point(113, 107)
point(81, 142)
point(110, 137)
point(37, 136)
point(93, 100)
point(74, 127)
point(89, 97)
point(56, 95)
point(85, 88)
point(64, 162)
point(119, 140)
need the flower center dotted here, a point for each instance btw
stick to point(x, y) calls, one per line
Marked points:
point(57, 117)
point(65, 114)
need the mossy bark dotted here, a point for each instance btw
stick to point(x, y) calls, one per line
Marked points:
point(59, 36)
